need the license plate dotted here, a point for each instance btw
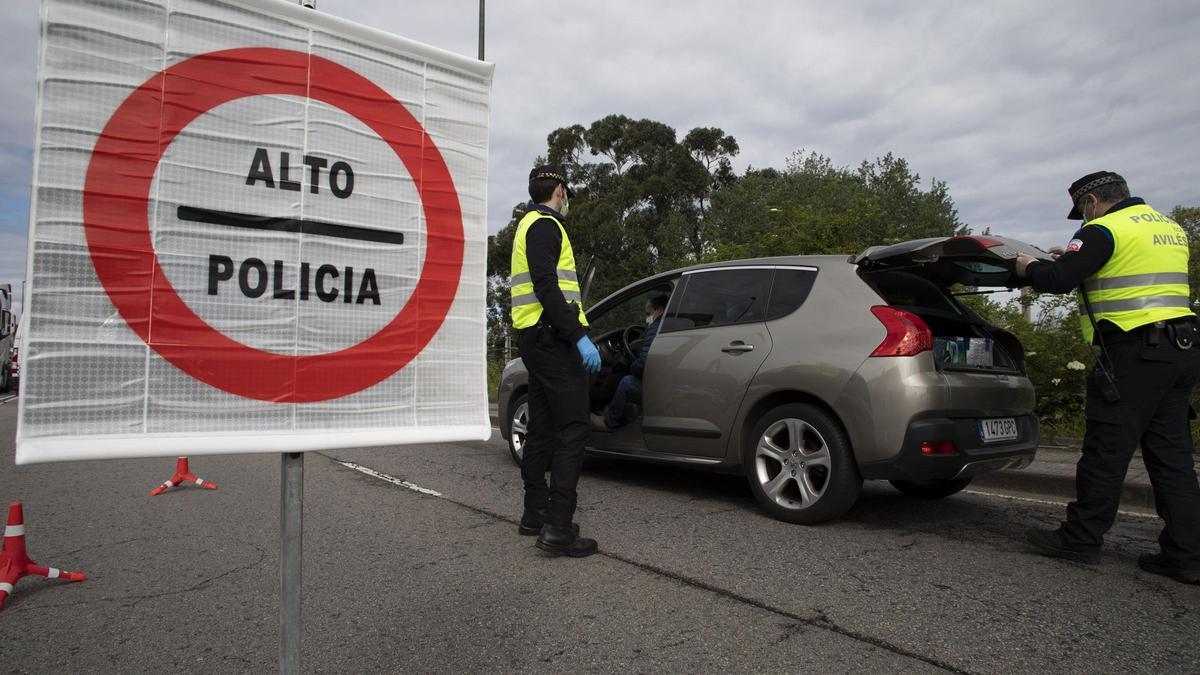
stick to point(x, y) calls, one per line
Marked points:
point(998, 429)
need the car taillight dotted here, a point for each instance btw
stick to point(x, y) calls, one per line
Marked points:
point(984, 241)
point(907, 334)
point(938, 448)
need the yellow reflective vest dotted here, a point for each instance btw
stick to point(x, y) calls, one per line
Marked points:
point(526, 310)
point(1146, 279)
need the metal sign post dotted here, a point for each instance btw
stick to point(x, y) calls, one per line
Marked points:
point(291, 545)
point(291, 537)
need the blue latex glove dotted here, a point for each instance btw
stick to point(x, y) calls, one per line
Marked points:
point(589, 353)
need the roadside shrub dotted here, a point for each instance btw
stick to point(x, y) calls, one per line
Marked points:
point(495, 367)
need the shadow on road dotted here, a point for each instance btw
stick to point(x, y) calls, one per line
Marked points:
point(960, 517)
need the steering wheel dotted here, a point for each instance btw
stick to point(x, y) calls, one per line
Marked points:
point(629, 336)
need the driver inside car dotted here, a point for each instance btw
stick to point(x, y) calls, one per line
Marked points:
point(614, 415)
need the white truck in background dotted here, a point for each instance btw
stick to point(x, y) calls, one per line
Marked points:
point(8, 330)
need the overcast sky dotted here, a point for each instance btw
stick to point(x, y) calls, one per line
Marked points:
point(1008, 102)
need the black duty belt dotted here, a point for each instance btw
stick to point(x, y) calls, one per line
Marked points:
point(1183, 333)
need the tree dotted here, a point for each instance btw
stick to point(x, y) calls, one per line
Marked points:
point(815, 207)
point(1188, 218)
point(640, 197)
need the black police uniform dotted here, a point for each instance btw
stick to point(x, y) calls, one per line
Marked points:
point(559, 407)
point(1154, 377)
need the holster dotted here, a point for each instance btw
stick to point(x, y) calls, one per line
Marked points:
point(1182, 333)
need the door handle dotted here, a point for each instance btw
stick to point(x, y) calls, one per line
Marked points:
point(737, 347)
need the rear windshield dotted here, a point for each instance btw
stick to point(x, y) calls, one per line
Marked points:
point(980, 267)
point(902, 289)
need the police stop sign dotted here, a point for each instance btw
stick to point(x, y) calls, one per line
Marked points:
point(255, 228)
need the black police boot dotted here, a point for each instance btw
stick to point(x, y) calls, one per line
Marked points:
point(557, 540)
point(532, 522)
point(1049, 542)
point(1157, 563)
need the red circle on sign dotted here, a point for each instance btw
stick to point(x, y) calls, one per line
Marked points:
point(116, 222)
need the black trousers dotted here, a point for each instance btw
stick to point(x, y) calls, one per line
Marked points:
point(559, 424)
point(1155, 384)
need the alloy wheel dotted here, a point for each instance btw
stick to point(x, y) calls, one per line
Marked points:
point(520, 427)
point(792, 463)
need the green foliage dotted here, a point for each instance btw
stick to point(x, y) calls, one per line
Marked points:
point(813, 207)
point(495, 368)
point(1188, 218)
point(641, 196)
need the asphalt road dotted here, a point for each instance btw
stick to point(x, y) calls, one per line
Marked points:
point(691, 576)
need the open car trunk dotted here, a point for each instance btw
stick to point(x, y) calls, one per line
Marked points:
point(916, 276)
point(982, 261)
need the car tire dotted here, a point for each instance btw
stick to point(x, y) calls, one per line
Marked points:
point(518, 426)
point(5, 377)
point(930, 489)
point(800, 466)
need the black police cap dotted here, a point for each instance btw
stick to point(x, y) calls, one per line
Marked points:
point(1085, 185)
point(553, 172)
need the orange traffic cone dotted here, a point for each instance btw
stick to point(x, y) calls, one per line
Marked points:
point(15, 563)
point(182, 475)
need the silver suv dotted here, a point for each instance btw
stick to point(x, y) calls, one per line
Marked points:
point(809, 374)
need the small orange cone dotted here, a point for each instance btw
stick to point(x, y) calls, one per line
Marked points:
point(15, 563)
point(182, 475)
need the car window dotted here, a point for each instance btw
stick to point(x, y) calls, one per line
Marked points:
point(980, 267)
point(788, 291)
point(719, 298)
point(909, 290)
point(626, 313)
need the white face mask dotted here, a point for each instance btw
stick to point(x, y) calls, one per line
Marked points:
point(1084, 213)
point(649, 319)
point(566, 205)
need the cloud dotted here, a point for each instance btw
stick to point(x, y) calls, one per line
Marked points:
point(1007, 103)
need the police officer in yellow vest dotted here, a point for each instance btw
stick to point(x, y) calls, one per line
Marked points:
point(1131, 262)
point(552, 337)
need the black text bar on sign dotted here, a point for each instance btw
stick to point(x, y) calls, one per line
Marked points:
point(214, 217)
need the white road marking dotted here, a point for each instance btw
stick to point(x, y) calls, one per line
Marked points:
point(418, 488)
point(6, 399)
point(1048, 502)
point(390, 479)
